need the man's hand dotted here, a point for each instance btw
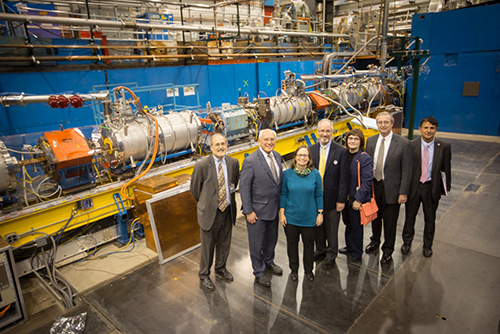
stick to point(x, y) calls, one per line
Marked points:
point(356, 205)
point(340, 206)
point(402, 199)
point(251, 217)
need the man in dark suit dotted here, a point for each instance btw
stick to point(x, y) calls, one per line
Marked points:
point(431, 158)
point(391, 156)
point(260, 188)
point(213, 184)
point(332, 163)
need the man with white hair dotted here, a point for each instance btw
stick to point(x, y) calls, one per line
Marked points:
point(260, 188)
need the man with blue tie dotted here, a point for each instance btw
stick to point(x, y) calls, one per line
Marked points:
point(431, 159)
point(260, 188)
point(213, 184)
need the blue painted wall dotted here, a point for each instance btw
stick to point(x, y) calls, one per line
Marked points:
point(217, 84)
point(465, 47)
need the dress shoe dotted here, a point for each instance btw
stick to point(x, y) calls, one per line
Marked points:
point(386, 259)
point(310, 277)
point(405, 249)
point(344, 250)
point(223, 273)
point(427, 252)
point(275, 269)
point(263, 280)
point(372, 246)
point(207, 284)
point(329, 265)
point(353, 258)
point(294, 277)
point(319, 256)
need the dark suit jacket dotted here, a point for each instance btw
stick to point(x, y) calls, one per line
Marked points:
point(397, 168)
point(336, 178)
point(205, 189)
point(441, 163)
point(258, 190)
point(364, 193)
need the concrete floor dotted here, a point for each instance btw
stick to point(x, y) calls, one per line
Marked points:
point(457, 290)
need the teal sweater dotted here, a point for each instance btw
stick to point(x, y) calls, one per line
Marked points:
point(301, 197)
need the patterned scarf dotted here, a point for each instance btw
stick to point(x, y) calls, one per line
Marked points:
point(304, 173)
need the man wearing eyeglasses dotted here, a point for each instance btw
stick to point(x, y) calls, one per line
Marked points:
point(332, 163)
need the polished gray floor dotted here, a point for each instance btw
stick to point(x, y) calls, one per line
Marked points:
point(457, 290)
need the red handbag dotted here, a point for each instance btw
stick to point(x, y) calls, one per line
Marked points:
point(367, 211)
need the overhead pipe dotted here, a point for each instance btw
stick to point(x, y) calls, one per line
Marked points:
point(121, 24)
point(155, 57)
point(23, 100)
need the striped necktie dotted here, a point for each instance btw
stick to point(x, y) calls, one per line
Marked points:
point(222, 188)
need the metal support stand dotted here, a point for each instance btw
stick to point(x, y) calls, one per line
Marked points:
point(121, 220)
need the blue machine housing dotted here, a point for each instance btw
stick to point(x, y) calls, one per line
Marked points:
point(464, 47)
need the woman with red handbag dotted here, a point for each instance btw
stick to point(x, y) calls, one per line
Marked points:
point(360, 191)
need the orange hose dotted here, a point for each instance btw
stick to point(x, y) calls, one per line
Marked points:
point(5, 310)
point(385, 95)
point(123, 190)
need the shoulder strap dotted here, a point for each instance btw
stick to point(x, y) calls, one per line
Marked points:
point(359, 177)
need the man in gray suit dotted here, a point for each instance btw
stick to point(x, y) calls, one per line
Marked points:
point(260, 188)
point(431, 157)
point(391, 156)
point(213, 184)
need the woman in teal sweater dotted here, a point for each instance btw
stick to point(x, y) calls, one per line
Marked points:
point(301, 209)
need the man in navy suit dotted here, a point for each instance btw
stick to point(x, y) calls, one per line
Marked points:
point(431, 158)
point(391, 156)
point(332, 163)
point(260, 188)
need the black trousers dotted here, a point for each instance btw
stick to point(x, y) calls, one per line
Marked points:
point(423, 196)
point(353, 231)
point(328, 231)
point(218, 240)
point(293, 233)
point(388, 217)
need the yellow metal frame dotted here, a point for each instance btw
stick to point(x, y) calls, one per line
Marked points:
point(50, 219)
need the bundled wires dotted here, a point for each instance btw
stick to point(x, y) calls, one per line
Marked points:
point(156, 141)
point(47, 260)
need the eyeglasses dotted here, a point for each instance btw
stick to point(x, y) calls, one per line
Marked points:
point(354, 138)
point(302, 155)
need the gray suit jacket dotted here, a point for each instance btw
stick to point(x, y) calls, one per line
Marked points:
point(441, 163)
point(205, 189)
point(397, 168)
point(258, 189)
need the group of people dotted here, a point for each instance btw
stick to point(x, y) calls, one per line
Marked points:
point(323, 182)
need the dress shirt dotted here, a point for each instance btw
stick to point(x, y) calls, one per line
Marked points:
point(431, 156)
point(327, 150)
point(276, 167)
point(387, 144)
point(224, 167)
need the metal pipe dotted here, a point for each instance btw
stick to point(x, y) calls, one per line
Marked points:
point(23, 100)
point(383, 48)
point(155, 57)
point(118, 47)
point(150, 26)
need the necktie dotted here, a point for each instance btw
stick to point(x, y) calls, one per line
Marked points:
point(272, 167)
point(322, 162)
point(380, 161)
point(425, 164)
point(222, 188)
